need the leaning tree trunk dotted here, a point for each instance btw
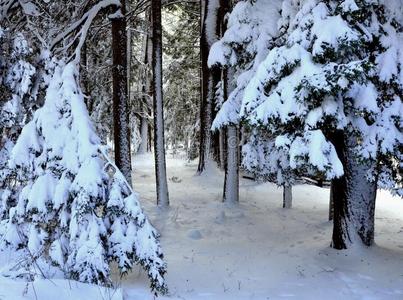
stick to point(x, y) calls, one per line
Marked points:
point(353, 196)
point(120, 93)
point(158, 105)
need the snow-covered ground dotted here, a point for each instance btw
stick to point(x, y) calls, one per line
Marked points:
point(257, 251)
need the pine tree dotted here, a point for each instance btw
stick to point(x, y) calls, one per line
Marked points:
point(212, 14)
point(251, 28)
point(329, 97)
point(76, 211)
point(17, 100)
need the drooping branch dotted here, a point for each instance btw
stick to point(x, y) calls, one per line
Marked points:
point(84, 22)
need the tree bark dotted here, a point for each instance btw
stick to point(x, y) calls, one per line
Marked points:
point(331, 203)
point(129, 61)
point(146, 95)
point(120, 92)
point(205, 106)
point(231, 149)
point(84, 78)
point(353, 196)
point(287, 196)
point(158, 105)
point(209, 142)
point(143, 130)
point(231, 181)
point(222, 148)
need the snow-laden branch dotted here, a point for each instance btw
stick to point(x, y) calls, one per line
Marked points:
point(85, 21)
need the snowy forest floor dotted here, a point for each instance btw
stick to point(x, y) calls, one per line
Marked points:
point(260, 250)
point(255, 251)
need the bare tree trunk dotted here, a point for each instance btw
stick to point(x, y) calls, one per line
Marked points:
point(222, 148)
point(287, 196)
point(120, 93)
point(205, 106)
point(146, 95)
point(353, 196)
point(143, 131)
point(231, 160)
point(84, 78)
point(231, 182)
point(129, 61)
point(232, 147)
point(158, 105)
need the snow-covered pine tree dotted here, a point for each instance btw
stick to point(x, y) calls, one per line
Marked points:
point(76, 211)
point(252, 25)
point(330, 96)
point(17, 98)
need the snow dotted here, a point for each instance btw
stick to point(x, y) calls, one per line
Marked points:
point(55, 289)
point(259, 250)
point(255, 251)
point(211, 20)
point(64, 210)
point(245, 42)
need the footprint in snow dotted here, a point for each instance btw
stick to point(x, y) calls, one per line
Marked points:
point(175, 179)
point(195, 234)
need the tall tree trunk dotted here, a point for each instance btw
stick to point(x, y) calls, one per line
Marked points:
point(353, 196)
point(120, 93)
point(231, 181)
point(146, 95)
point(231, 160)
point(232, 147)
point(129, 61)
point(205, 106)
point(158, 105)
point(209, 142)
